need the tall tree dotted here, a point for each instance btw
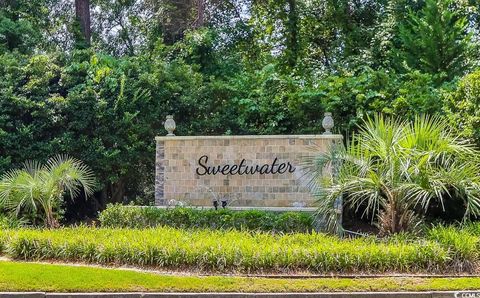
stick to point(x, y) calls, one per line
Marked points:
point(20, 25)
point(82, 12)
point(123, 27)
point(178, 16)
point(200, 20)
point(435, 39)
point(276, 29)
point(292, 33)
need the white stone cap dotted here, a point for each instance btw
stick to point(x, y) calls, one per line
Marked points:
point(236, 137)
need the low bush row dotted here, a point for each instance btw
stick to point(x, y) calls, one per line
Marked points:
point(119, 216)
point(247, 252)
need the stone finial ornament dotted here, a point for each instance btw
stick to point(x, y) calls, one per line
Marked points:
point(327, 123)
point(170, 125)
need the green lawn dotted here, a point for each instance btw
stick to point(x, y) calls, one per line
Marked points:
point(19, 276)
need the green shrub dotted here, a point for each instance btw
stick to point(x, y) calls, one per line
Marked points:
point(224, 251)
point(461, 243)
point(473, 228)
point(462, 104)
point(118, 216)
point(11, 222)
point(8, 222)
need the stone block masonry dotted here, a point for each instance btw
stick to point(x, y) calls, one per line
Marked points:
point(245, 171)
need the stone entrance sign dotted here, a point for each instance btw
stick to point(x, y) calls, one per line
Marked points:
point(243, 171)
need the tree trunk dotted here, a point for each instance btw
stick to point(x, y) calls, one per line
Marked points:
point(50, 221)
point(177, 17)
point(388, 219)
point(82, 12)
point(393, 215)
point(292, 34)
point(200, 14)
point(117, 191)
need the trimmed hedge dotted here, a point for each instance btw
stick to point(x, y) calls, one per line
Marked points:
point(225, 251)
point(120, 216)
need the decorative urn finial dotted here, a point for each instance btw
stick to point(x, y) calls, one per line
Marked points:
point(170, 125)
point(327, 123)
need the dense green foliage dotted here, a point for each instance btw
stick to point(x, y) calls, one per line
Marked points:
point(396, 169)
point(463, 244)
point(223, 250)
point(10, 222)
point(444, 249)
point(462, 106)
point(223, 67)
point(435, 39)
point(100, 113)
point(118, 216)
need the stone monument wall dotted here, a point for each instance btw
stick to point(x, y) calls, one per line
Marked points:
point(244, 171)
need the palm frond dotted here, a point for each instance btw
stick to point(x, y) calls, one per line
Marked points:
point(43, 186)
point(397, 165)
point(70, 175)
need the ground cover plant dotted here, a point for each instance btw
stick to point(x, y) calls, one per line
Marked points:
point(236, 251)
point(119, 216)
point(19, 276)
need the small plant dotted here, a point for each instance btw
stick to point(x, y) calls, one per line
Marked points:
point(42, 188)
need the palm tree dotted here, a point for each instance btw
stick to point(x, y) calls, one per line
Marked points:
point(43, 187)
point(395, 169)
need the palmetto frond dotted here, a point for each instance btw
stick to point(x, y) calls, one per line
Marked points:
point(43, 186)
point(70, 175)
point(397, 165)
point(18, 190)
point(317, 167)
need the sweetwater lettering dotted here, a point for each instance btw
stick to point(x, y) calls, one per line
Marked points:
point(242, 168)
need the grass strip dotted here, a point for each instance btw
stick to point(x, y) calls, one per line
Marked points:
point(20, 276)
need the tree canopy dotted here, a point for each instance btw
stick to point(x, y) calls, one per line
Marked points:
point(95, 79)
